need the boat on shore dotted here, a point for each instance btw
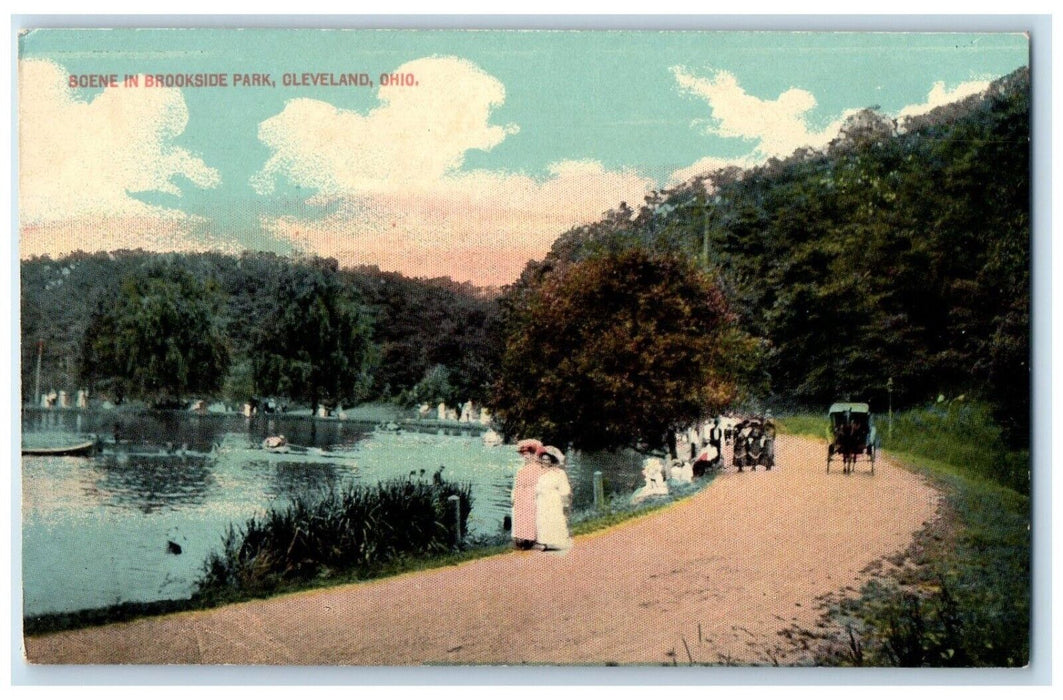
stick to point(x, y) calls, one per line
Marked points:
point(81, 449)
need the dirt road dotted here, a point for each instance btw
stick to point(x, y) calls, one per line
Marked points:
point(741, 561)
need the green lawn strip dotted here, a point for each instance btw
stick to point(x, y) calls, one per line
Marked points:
point(619, 510)
point(615, 512)
point(960, 594)
point(803, 424)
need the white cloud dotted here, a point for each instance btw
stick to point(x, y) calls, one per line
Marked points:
point(776, 127)
point(417, 135)
point(80, 160)
point(939, 95)
point(397, 195)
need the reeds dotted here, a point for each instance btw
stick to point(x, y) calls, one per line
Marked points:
point(354, 531)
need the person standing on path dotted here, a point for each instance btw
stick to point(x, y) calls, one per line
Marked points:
point(553, 495)
point(523, 496)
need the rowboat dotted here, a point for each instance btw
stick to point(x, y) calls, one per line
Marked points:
point(82, 449)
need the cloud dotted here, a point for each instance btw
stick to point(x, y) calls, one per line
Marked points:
point(481, 225)
point(939, 95)
point(775, 128)
point(79, 162)
point(417, 135)
point(395, 191)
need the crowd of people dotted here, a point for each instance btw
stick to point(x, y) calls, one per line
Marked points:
point(751, 438)
point(754, 443)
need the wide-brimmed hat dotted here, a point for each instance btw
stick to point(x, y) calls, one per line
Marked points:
point(556, 455)
point(532, 446)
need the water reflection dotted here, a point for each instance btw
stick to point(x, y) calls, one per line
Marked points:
point(290, 480)
point(149, 484)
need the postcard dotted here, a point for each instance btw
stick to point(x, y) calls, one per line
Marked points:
point(367, 347)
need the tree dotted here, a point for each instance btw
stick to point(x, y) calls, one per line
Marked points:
point(614, 351)
point(314, 345)
point(156, 338)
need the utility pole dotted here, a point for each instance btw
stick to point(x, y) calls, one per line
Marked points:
point(37, 387)
point(702, 202)
point(889, 390)
point(705, 237)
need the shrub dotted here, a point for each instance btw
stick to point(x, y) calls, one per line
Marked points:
point(353, 531)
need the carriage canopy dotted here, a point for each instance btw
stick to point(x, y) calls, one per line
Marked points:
point(849, 408)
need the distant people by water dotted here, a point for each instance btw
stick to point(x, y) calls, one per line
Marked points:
point(656, 484)
point(467, 411)
point(274, 442)
point(524, 494)
point(681, 472)
point(553, 495)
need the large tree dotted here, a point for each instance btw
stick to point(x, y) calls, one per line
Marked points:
point(614, 351)
point(156, 338)
point(314, 345)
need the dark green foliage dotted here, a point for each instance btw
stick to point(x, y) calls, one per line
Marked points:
point(313, 344)
point(414, 325)
point(427, 328)
point(614, 351)
point(353, 531)
point(58, 297)
point(155, 338)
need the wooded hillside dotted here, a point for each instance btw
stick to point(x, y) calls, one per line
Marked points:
point(900, 251)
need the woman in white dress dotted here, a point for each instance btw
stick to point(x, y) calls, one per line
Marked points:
point(553, 495)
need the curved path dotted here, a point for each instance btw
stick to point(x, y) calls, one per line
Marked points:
point(739, 562)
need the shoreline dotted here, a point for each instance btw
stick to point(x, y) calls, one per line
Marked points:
point(583, 523)
point(743, 555)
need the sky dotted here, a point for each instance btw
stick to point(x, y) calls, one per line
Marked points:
point(492, 144)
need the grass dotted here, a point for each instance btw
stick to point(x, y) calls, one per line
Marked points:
point(960, 595)
point(617, 509)
point(803, 424)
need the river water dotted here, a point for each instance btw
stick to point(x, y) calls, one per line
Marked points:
point(95, 530)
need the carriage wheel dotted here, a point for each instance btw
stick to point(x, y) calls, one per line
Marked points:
point(871, 451)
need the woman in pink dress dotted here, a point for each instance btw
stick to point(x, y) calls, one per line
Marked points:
point(523, 496)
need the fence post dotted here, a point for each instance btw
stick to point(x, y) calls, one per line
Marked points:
point(456, 502)
point(599, 491)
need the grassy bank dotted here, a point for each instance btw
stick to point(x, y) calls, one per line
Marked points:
point(243, 570)
point(355, 531)
point(960, 595)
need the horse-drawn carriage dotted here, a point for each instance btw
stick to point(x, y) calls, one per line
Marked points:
point(852, 435)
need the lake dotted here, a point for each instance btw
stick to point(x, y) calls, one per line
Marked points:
point(95, 530)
